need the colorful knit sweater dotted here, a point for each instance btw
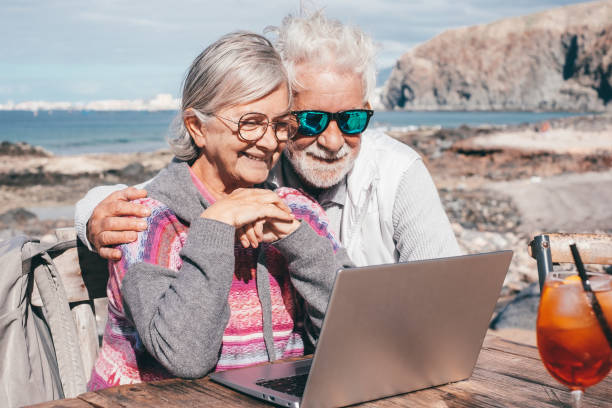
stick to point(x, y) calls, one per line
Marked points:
point(124, 359)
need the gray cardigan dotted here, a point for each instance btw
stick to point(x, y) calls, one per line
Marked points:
point(181, 317)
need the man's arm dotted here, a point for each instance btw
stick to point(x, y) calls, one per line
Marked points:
point(421, 227)
point(101, 218)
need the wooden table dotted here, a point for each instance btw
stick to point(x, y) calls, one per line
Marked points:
point(507, 374)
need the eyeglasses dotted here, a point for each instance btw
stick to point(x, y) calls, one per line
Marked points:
point(252, 126)
point(350, 122)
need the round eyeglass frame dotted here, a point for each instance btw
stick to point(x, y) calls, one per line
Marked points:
point(291, 130)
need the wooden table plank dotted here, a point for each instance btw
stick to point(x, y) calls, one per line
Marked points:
point(506, 374)
point(171, 393)
point(500, 379)
point(63, 403)
point(531, 368)
point(523, 382)
point(494, 342)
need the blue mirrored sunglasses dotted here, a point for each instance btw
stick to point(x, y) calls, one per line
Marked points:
point(350, 122)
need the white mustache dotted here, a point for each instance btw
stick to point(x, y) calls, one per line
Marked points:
point(316, 151)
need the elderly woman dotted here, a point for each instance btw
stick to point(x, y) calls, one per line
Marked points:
point(225, 275)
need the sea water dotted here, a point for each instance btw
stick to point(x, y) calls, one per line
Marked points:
point(77, 132)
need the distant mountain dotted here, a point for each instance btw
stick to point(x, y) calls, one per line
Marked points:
point(559, 59)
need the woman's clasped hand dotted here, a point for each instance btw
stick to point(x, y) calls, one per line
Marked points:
point(258, 215)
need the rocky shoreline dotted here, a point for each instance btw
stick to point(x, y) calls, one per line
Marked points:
point(484, 184)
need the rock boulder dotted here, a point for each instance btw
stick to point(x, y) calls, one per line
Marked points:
point(557, 60)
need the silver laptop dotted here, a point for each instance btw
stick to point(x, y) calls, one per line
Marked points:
point(388, 329)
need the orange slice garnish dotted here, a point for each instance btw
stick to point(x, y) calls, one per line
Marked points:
point(572, 279)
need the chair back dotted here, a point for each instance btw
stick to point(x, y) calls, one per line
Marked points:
point(84, 276)
point(551, 248)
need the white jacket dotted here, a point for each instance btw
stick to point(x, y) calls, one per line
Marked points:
point(392, 210)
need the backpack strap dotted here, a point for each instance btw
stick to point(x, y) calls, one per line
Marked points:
point(33, 248)
point(39, 258)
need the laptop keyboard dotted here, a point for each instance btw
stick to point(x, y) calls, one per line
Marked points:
point(293, 385)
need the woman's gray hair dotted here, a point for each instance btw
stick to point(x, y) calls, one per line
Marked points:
point(315, 39)
point(239, 67)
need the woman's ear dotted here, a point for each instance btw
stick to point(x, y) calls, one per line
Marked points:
point(195, 128)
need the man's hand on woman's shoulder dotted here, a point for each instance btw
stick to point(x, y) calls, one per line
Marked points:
point(112, 222)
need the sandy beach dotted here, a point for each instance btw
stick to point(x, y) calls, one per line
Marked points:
point(499, 185)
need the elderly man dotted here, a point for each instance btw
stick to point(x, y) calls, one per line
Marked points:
point(377, 192)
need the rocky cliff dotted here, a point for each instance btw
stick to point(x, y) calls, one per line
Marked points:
point(559, 59)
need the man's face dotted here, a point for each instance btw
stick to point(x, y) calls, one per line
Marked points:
point(323, 160)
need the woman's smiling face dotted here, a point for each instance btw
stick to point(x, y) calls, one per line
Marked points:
point(226, 162)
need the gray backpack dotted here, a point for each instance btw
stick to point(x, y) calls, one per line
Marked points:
point(40, 358)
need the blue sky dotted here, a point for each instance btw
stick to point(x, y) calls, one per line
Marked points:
point(83, 50)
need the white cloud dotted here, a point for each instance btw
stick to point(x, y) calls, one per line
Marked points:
point(14, 89)
point(390, 51)
point(159, 103)
point(127, 20)
point(86, 87)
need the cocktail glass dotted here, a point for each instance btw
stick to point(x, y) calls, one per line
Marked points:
point(571, 340)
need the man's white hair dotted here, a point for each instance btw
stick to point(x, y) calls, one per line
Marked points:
point(315, 39)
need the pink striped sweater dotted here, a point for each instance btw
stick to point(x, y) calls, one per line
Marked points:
point(123, 359)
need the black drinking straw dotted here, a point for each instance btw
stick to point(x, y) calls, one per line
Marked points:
point(587, 288)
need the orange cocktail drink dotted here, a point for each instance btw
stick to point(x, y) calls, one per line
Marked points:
point(571, 341)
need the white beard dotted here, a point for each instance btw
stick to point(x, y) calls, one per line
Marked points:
point(320, 174)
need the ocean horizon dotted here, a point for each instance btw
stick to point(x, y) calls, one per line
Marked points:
point(81, 132)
